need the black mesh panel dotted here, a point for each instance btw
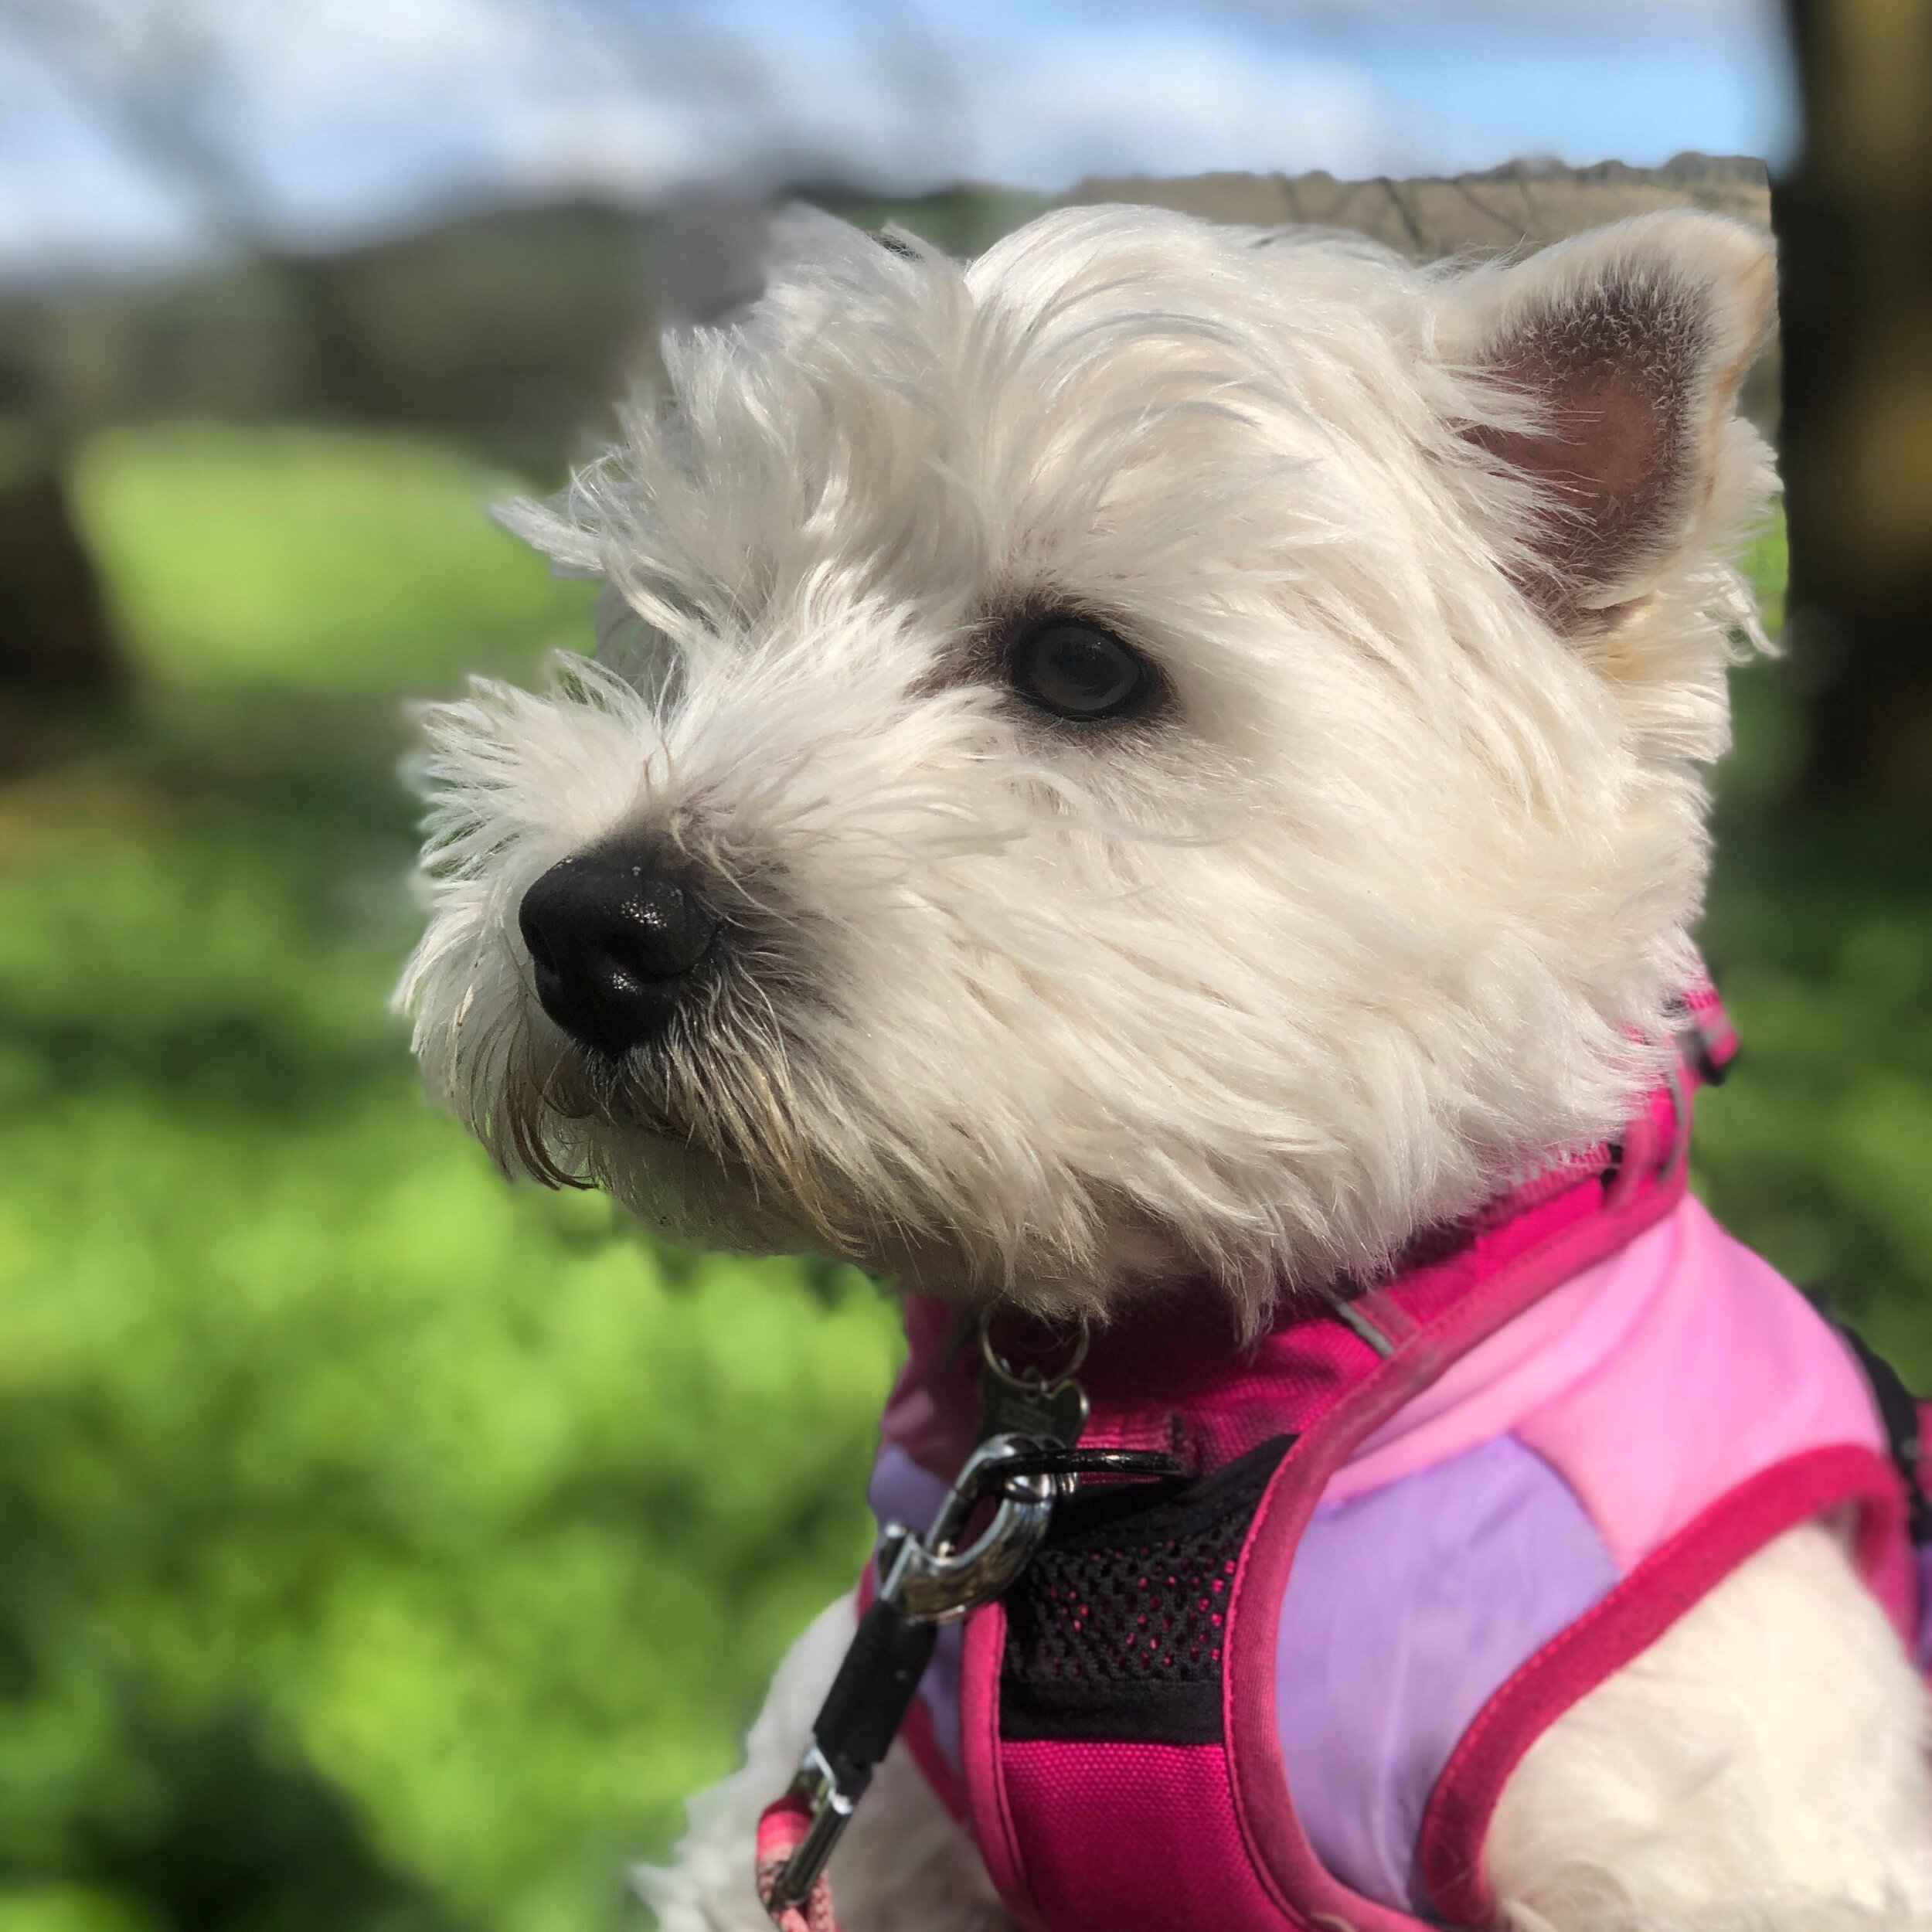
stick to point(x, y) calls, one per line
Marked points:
point(1115, 1631)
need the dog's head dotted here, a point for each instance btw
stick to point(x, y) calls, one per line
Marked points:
point(1164, 747)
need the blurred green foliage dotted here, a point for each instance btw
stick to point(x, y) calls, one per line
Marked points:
point(383, 1547)
point(1819, 931)
point(379, 1546)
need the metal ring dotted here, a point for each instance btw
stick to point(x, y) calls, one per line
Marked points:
point(1030, 1378)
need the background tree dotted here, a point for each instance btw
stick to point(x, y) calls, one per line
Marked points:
point(1855, 297)
point(153, 70)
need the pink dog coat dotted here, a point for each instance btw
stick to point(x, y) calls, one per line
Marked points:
point(1289, 1689)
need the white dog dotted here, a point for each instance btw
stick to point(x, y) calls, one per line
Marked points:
point(1166, 753)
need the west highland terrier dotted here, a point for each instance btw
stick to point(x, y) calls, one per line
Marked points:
point(1150, 783)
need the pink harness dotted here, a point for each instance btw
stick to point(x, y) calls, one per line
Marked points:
point(1288, 1690)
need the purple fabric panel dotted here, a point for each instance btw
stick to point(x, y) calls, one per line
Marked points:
point(902, 1490)
point(1406, 1610)
point(939, 1691)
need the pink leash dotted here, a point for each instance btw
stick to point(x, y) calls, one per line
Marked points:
point(783, 1828)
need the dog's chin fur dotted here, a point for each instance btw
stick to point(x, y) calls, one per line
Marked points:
point(1387, 901)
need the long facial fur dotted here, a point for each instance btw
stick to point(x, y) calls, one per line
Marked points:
point(1388, 903)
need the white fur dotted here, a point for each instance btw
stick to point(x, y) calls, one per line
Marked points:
point(1387, 903)
point(1761, 1766)
point(1392, 907)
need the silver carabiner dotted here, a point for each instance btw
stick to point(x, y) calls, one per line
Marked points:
point(925, 1581)
point(928, 1580)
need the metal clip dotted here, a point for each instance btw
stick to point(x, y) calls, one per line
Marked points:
point(929, 1580)
point(925, 1582)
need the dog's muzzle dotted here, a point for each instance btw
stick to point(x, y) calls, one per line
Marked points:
point(616, 935)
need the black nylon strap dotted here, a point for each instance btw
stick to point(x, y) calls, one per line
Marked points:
point(1899, 1411)
point(873, 1691)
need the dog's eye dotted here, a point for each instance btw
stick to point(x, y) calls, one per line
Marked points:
point(1076, 670)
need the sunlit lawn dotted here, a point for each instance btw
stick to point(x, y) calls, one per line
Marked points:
point(381, 1546)
point(452, 1524)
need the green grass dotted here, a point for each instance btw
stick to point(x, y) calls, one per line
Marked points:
point(298, 560)
point(434, 1535)
point(383, 1547)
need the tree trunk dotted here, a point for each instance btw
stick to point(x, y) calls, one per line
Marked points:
point(1856, 301)
point(56, 643)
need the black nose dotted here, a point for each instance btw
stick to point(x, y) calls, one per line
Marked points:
point(614, 936)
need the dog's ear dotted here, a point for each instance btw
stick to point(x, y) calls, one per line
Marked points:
point(1610, 366)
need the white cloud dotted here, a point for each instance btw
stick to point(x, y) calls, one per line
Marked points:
point(626, 150)
point(1572, 16)
point(68, 196)
point(345, 113)
point(1157, 103)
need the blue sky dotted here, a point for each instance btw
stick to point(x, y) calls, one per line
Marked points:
point(338, 116)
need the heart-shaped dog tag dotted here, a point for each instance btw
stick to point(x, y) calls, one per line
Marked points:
point(1027, 1404)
